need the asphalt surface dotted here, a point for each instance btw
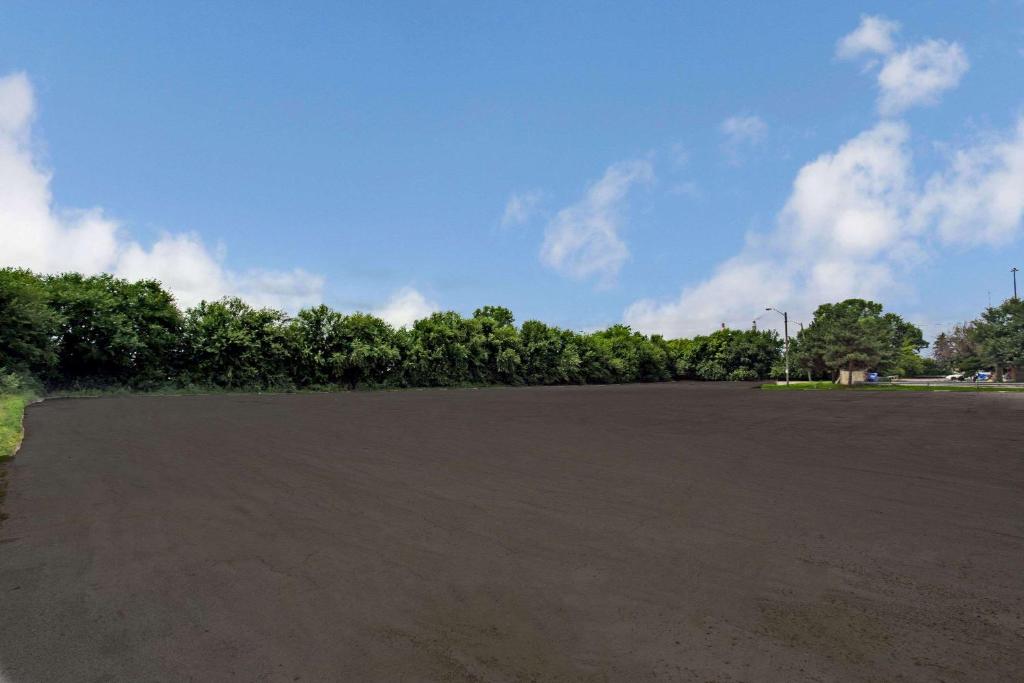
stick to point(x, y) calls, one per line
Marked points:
point(625, 533)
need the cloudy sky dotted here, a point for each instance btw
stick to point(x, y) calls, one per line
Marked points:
point(670, 166)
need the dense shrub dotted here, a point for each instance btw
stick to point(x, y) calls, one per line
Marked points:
point(71, 330)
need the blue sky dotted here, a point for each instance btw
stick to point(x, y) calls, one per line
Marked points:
point(583, 164)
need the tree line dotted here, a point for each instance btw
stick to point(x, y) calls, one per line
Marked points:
point(858, 335)
point(71, 330)
point(995, 341)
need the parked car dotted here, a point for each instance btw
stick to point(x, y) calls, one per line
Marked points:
point(955, 377)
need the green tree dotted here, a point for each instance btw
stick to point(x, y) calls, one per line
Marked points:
point(501, 344)
point(959, 349)
point(230, 344)
point(315, 340)
point(112, 331)
point(330, 348)
point(727, 355)
point(438, 351)
point(370, 354)
point(501, 316)
point(902, 355)
point(542, 350)
point(855, 335)
point(1000, 334)
point(751, 354)
point(28, 324)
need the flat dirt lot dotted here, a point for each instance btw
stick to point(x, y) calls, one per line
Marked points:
point(661, 532)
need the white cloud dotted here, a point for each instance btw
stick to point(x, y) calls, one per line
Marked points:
point(856, 221)
point(582, 240)
point(31, 233)
point(520, 208)
point(35, 234)
point(916, 75)
point(18, 108)
point(873, 35)
point(859, 218)
point(739, 288)
point(182, 258)
point(744, 129)
point(841, 233)
point(919, 74)
point(851, 202)
point(741, 131)
point(980, 198)
point(405, 307)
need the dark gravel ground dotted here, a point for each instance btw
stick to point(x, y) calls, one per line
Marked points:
point(659, 532)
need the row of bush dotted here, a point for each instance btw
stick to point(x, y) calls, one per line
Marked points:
point(71, 331)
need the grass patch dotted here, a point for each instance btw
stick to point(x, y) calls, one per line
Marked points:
point(12, 408)
point(803, 386)
point(829, 386)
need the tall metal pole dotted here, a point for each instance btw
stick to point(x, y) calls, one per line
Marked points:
point(1014, 271)
point(785, 327)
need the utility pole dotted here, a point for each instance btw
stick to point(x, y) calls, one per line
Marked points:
point(1014, 271)
point(785, 327)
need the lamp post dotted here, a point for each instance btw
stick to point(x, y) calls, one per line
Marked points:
point(785, 328)
point(1014, 271)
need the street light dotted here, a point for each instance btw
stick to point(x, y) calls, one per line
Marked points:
point(785, 327)
point(1014, 270)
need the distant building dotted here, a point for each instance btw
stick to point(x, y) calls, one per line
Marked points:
point(855, 377)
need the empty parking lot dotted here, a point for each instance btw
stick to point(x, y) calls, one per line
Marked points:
point(643, 532)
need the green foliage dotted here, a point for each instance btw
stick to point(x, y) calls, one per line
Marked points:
point(19, 382)
point(832, 386)
point(72, 332)
point(550, 355)
point(1000, 335)
point(329, 348)
point(958, 350)
point(12, 407)
point(81, 333)
point(441, 350)
point(98, 330)
point(931, 367)
point(229, 344)
point(28, 324)
point(728, 355)
point(855, 335)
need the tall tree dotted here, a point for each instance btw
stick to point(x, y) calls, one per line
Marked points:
point(331, 348)
point(1000, 333)
point(501, 344)
point(439, 351)
point(113, 331)
point(959, 349)
point(28, 324)
point(855, 335)
point(228, 343)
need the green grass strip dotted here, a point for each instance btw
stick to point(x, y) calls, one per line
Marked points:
point(829, 386)
point(12, 408)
